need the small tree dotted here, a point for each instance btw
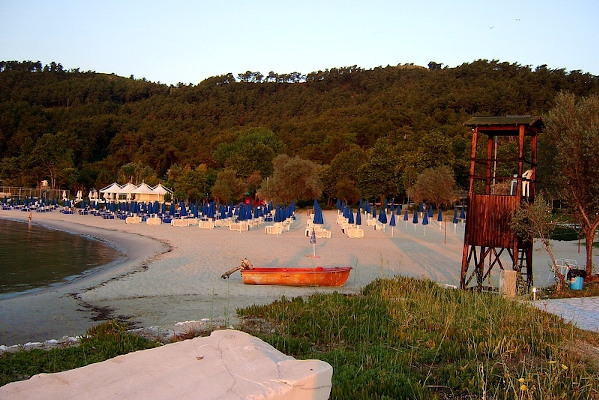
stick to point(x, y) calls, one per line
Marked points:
point(572, 130)
point(434, 185)
point(534, 220)
point(293, 178)
point(228, 187)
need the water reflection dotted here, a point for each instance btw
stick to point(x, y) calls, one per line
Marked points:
point(32, 256)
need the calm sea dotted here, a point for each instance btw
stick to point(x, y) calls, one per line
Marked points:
point(33, 257)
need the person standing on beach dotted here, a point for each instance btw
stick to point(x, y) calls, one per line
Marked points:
point(30, 217)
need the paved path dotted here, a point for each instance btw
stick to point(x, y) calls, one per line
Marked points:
point(582, 311)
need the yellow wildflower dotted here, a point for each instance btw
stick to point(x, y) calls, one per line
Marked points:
point(521, 380)
point(523, 388)
point(552, 362)
point(564, 367)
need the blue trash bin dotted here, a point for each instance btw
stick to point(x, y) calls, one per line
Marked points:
point(577, 283)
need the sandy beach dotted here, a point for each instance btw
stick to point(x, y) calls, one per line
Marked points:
point(172, 274)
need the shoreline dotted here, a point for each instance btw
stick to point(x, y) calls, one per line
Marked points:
point(55, 311)
point(172, 274)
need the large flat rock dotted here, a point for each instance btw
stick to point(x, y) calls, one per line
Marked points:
point(227, 365)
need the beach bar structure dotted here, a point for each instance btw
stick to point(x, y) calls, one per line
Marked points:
point(498, 184)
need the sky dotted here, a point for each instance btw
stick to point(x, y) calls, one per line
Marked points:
point(188, 41)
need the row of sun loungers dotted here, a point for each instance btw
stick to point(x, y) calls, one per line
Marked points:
point(351, 230)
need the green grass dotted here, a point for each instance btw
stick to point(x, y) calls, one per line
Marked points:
point(405, 338)
point(399, 338)
point(102, 342)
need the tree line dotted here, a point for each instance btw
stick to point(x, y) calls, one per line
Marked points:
point(355, 133)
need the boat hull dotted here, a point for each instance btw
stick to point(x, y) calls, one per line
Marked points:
point(319, 276)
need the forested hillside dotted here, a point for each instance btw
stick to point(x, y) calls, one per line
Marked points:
point(372, 131)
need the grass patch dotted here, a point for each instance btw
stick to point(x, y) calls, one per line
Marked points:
point(102, 342)
point(406, 338)
point(399, 338)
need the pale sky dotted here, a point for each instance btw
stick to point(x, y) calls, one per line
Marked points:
point(189, 41)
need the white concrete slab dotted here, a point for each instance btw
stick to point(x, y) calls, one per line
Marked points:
point(227, 365)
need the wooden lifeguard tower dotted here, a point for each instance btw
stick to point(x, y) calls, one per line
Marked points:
point(499, 182)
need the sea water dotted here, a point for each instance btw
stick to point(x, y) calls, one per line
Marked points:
point(33, 257)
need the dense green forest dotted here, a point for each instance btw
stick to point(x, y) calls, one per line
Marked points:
point(372, 132)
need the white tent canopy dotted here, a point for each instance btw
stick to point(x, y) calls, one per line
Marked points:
point(144, 193)
point(125, 192)
point(111, 192)
point(128, 192)
point(159, 189)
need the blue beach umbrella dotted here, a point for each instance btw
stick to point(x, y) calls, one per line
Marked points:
point(425, 222)
point(430, 211)
point(383, 216)
point(415, 219)
point(318, 219)
point(440, 215)
point(350, 218)
point(338, 204)
point(373, 211)
point(462, 214)
point(358, 217)
point(392, 222)
point(455, 219)
point(421, 207)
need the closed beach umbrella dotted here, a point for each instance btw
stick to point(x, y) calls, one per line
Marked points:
point(313, 242)
point(462, 214)
point(358, 217)
point(373, 211)
point(430, 211)
point(350, 218)
point(455, 216)
point(318, 219)
point(383, 216)
point(338, 204)
point(392, 222)
point(415, 219)
point(440, 215)
point(425, 219)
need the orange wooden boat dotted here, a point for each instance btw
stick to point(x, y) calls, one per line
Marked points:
point(319, 276)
